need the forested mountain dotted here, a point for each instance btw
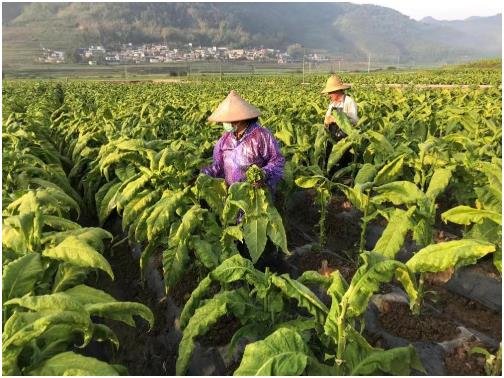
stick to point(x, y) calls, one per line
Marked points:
point(344, 29)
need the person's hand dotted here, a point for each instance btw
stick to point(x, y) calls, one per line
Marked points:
point(328, 120)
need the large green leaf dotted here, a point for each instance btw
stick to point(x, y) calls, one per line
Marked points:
point(48, 303)
point(114, 158)
point(256, 221)
point(407, 279)
point(309, 182)
point(105, 200)
point(27, 203)
point(90, 235)
point(236, 268)
point(68, 275)
point(239, 195)
point(366, 282)
point(390, 171)
point(439, 257)
point(19, 276)
point(313, 277)
point(59, 223)
point(77, 252)
point(194, 301)
point(175, 261)
point(284, 352)
point(205, 253)
point(396, 361)
point(438, 182)
point(320, 144)
point(366, 174)
point(398, 192)
point(355, 196)
point(213, 191)
point(251, 331)
point(89, 295)
point(176, 257)
point(276, 230)
point(344, 123)
point(422, 232)
point(135, 207)
point(21, 232)
point(55, 340)
point(103, 333)
point(305, 297)
point(121, 311)
point(490, 198)
point(381, 143)
point(80, 321)
point(255, 236)
point(204, 317)
point(129, 189)
point(62, 184)
point(70, 363)
point(467, 215)
point(338, 151)
point(14, 239)
point(162, 214)
point(57, 199)
point(486, 230)
point(392, 239)
point(285, 136)
point(336, 291)
point(492, 170)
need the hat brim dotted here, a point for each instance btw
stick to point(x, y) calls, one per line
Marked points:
point(234, 109)
point(227, 118)
point(337, 88)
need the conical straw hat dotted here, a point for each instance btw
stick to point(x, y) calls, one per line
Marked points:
point(334, 84)
point(234, 108)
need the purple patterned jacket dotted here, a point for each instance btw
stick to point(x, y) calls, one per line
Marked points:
point(231, 157)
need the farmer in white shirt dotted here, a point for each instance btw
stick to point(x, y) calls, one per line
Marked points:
point(340, 101)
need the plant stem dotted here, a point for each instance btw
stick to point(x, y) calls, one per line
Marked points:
point(364, 225)
point(340, 323)
point(418, 303)
point(322, 221)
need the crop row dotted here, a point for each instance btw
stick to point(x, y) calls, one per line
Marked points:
point(136, 149)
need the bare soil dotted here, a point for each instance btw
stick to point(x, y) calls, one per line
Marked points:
point(468, 312)
point(300, 218)
point(486, 266)
point(399, 321)
point(143, 352)
point(461, 362)
point(342, 225)
point(303, 215)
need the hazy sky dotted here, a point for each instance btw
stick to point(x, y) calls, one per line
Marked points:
point(439, 9)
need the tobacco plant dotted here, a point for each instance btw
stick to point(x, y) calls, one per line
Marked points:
point(308, 337)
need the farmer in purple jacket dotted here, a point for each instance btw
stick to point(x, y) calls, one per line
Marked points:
point(244, 143)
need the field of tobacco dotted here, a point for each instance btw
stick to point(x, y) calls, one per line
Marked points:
point(119, 257)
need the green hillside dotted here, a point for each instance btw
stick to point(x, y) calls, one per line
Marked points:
point(352, 31)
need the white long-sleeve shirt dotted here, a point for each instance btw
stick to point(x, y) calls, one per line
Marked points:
point(348, 106)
